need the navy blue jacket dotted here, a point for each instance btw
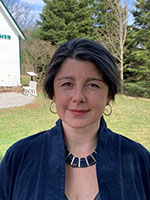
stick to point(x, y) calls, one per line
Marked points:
point(34, 167)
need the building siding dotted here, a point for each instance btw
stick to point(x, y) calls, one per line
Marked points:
point(10, 74)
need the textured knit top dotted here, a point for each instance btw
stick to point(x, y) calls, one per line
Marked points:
point(34, 167)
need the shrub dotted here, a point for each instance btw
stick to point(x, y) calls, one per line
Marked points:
point(25, 79)
point(140, 89)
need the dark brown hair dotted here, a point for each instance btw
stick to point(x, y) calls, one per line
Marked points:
point(88, 50)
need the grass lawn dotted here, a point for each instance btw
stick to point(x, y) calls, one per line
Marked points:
point(130, 117)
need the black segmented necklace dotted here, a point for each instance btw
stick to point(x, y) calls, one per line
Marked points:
point(80, 162)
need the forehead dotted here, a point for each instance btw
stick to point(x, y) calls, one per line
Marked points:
point(80, 68)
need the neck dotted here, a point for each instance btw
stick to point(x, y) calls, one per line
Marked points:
point(81, 141)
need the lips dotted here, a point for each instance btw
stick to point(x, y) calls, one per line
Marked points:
point(78, 112)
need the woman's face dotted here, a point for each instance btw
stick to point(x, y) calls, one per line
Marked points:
point(80, 94)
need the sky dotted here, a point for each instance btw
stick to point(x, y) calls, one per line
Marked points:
point(37, 6)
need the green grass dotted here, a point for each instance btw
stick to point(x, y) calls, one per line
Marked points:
point(25, 79)
point(130, 117)
point(20, 122)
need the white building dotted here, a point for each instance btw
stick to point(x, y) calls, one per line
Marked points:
point(10, 53)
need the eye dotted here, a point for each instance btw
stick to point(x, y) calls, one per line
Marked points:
point(93, 85)
point(67, 84)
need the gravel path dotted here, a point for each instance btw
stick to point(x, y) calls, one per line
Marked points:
point(13, 99)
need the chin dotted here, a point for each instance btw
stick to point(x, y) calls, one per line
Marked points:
point(80, 124)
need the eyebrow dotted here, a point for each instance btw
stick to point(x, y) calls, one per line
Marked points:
point(94, 79)
point(66, 77)
point(89, 79)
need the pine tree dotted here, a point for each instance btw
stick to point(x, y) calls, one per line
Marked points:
point(138, 53)
point(142, 22)
point(62, 20)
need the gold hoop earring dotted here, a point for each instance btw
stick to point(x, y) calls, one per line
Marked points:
point(50, 108)
point(107, 114)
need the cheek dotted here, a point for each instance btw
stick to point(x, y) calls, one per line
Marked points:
point(62, 96)
point(100, 99)
point(57, 95)
point(60, 100)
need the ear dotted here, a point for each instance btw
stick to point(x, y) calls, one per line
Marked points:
point(108, 100)
point(54, 99)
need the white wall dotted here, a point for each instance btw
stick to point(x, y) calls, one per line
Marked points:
point(9, 54)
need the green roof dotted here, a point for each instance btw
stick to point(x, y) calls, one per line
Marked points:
point(19, 29)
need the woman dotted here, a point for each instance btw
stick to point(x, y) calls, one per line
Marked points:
point(79, 158)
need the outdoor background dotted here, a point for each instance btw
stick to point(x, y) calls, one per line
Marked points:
point(130, 117)
point(123, 27)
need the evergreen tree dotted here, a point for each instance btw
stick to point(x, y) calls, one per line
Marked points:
point(137, 70)
point(62, 20)
point(142, 22)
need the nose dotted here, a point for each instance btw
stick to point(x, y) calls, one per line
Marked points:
point(79, 96)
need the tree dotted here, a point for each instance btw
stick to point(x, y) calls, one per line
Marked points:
point(21, 12)
point(64, 20)
point(138, 61)
point(36, 55)
point(112, 29)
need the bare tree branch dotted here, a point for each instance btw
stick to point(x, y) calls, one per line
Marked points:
point(36, 55)
point(113, 35)
point(21, 12)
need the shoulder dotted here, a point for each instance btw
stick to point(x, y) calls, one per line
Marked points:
point(134, 151)
point(128, 148)
point(34, 139)
point(35, 144)
point(29, 145)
